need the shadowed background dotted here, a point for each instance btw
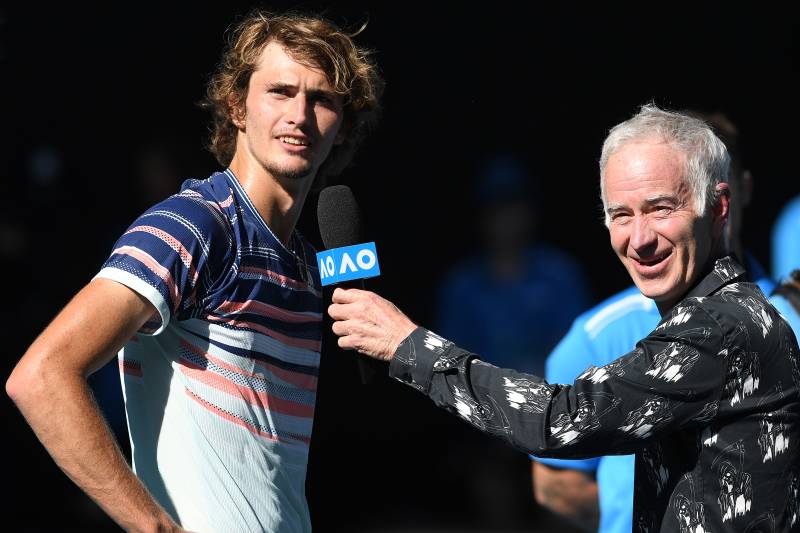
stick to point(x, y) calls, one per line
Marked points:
point(100, 121)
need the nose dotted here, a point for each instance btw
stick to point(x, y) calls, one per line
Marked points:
point(298, 110)
point(643, 239)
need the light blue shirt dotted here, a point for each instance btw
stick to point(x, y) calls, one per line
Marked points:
point(786, 309)
point(596, 338)
point(786, 240)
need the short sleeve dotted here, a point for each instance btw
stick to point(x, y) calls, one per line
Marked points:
point(166, 255)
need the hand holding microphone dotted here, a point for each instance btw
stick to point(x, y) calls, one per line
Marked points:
point(368, 323)
point(364, 321)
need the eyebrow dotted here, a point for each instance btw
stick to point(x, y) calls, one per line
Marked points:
point(322, 92)
point(311, 92)
point(670, 198)
point(614, 208)
point(280, 85)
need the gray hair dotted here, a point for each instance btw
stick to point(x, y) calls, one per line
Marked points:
point(707, 161)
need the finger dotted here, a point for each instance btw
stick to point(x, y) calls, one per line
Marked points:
point(346, 296)
point(346, 343)
point(342, 328)
point(342, 311)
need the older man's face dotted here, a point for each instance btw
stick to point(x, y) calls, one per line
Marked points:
point(654, 226)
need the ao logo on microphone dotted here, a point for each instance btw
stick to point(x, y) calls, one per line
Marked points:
point(348, 263)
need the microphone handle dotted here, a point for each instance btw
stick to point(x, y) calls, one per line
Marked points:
point(367, 367)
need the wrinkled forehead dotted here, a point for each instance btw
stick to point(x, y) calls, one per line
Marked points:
point(641, 170)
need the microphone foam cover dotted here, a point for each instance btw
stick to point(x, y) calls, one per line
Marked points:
point(339, 217)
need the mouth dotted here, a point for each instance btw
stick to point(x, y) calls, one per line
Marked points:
point(294, 140)
point(294, 143)
point(651, 266)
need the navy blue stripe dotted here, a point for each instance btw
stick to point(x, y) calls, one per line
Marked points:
point(252, 354)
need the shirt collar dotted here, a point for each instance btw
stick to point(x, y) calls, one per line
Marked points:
point(725, 270)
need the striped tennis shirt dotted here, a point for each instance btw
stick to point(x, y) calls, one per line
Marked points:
point(220, 383)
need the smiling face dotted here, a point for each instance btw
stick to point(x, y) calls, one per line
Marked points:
point(653, 223)
point(292, 117)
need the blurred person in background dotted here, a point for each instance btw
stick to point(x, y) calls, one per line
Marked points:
point(786, 240)
point(512, 300)
point(212, 300)
point(786, 299)
point(501, 300)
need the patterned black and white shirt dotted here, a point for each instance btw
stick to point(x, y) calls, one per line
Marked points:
point(709, 401)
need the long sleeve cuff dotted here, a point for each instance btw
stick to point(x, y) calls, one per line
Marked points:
point(419, 355)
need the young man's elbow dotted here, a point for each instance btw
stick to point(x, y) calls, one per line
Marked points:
point(26, 382)
point(16, 385)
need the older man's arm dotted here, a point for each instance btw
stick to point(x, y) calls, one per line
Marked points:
point(49, 387)
point(614, 409)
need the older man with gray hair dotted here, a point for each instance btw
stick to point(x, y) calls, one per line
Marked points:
point(709, 400)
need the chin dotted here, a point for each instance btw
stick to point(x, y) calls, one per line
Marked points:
point(651, 293)
point(665, 298)
point(292, 172)
point(654, 291)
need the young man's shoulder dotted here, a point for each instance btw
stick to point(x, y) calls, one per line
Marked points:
point(214, 189)
point(201, 205)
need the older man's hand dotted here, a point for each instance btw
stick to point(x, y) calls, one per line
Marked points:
point(368, 323)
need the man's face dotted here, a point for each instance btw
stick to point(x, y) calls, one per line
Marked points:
point(654, 227)
point(292, 116)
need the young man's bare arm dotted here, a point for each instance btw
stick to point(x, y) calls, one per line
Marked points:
point(49, 387)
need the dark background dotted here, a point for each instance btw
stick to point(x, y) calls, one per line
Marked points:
point(100, 103)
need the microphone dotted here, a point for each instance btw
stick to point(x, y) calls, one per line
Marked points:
point(346, 261)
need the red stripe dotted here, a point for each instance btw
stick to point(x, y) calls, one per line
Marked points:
point(154, 266)
point(271, 311)
point(298, 379)
point(262, 400)
point(283, 281)
point(307, 344)
point(173, 243)
point(227, 416)
point(131, 368)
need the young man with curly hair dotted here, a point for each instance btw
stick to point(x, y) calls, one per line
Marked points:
point(213, 302)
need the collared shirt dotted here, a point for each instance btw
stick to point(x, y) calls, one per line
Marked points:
point(597, 337)
point(709, 401)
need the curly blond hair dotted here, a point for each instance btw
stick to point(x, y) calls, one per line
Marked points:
point(311, 41)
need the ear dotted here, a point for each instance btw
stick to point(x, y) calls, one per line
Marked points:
point(721, 209)
point(237, 113)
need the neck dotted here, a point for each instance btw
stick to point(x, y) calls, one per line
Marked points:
point(719, 252)
point(278, 201)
